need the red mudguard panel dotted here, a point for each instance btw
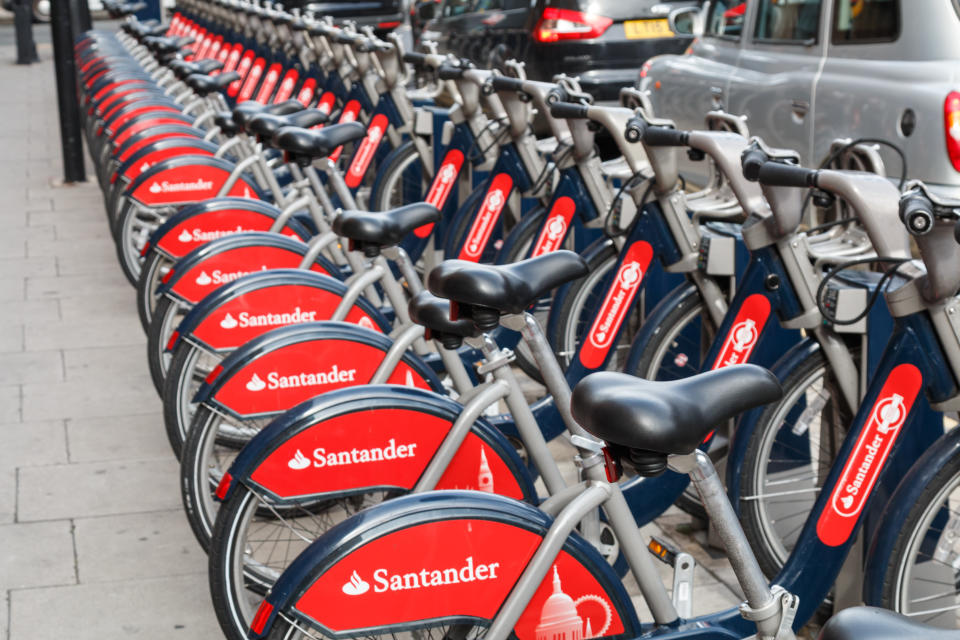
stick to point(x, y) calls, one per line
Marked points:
point(188, 183)
point(285, 377)
point(226, 266)
point(493, 203)
point(245, 317)
point(862, 469)
point(457, 568)
point(616, 305)
point(379, 448)
point(210, 225)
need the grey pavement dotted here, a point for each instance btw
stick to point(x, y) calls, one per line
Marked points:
point(93, 541)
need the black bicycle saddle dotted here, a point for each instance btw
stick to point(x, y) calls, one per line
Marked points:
point(204, 84)
point(266, 125)
point(304, 145)
point(245, 111)
point(372, 230)
point(509, 288)
point(672, 417)
point(434, 313)
point(871, 623)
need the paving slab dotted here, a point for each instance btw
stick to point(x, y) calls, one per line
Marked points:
point(82, 333)
point(148, 609)
point(112, 304)
point(89, 398)
point(32, 366)
point(105, 488)
point(28, 267)
point(8, 495)
point(38, 554)
point(118, 438)
point(10, 410)
point(120, 362)
point(72, 286)
point(11, 337)
point(18, 312)
point(131, 546)
point(28, 444)
point(12, 289)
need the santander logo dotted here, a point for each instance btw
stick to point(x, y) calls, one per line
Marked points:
point(384, 581)
point(245, 319)
point(323, 458)
point(313, 379)
point(745, 332)
point(876, 440)
point(178, 187)
point(443, 183)
point(222, 277)
point(199, 235)
point(364, 155)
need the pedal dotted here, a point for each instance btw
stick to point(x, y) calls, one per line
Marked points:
point(683, 565)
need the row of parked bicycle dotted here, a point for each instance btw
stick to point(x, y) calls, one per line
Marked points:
point(337, 276)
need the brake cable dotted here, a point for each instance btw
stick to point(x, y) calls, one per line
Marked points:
point(882, 285)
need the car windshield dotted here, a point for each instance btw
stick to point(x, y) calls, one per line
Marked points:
point(725, 18)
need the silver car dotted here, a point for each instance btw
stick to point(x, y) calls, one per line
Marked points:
point(805, 72)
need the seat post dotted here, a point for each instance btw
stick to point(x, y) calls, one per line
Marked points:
point(762, 606)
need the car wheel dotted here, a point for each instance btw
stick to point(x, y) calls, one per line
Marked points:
point(41, 10)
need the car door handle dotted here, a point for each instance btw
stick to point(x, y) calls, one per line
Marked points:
point(800, 107)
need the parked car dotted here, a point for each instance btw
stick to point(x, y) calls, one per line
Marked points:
point(383, 15)
point(807, 71)
point(604, 42)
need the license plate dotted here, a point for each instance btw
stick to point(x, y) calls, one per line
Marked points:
point(635, 29)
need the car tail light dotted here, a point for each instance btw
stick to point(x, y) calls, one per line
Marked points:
point(389, 25)
point(564, 24)
point(951, 126)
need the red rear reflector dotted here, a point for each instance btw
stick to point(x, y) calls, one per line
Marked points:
point(167, 276)
point(564, 24)
point(610, 466)
point(260, 619)
point(222, 489)
point(173, 340)
point(213, 374)
point(145, 250)
point(388, 25)
point(951, 127)
point(454, 311)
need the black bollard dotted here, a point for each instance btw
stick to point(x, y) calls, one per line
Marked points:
point(23, 23)
point(65, 66)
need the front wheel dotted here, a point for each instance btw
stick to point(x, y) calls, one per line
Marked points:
point(922, 577)
point(401, 180)
point(255, 539)
point(789, 455)
point(154, 268)
point(134, 227)
point(164, 321)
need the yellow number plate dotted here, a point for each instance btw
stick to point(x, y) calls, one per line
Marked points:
point(635, 29)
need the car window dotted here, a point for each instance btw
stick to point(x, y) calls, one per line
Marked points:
point(788, 21)
point(725, 18)
point(455, 7)
point(488, 5)
point(866, 21)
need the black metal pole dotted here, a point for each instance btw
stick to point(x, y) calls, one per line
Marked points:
point(23, 24)
point(80, 10)
point(71, 141)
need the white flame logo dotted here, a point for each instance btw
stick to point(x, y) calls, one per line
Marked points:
point(203, 279)
point(847, 501)
point(156, 188)
point(495, 199)
point(357, 585)
point(448, 174)
point(299, 461)
point(144, 167)
point(890, 414)
point(409, 380)
point(256, 384)
point(228, 322)
point(630, 274)
point(556, 227)
point(365, 322)
point(184, 236)
point(744, 335)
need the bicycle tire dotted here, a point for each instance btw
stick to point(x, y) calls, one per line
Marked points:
point(687, 309)
point(236, 587)
point(130, 237)
point(772, 545)
point(399, 169)
point(154, 268)
point(915, 528)
point(179, 390)
point(573, 320)
point(166, 317)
